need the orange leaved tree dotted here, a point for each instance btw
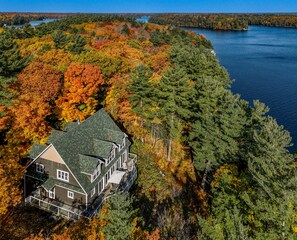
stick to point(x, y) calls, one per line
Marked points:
point(81, 86)
point(40, 80)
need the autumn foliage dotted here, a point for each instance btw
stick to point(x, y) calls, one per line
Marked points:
point(81, 85)
point(41, 81)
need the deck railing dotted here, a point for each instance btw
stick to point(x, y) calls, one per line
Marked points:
point(123, 188)
point(51, 207)
point(129, 179)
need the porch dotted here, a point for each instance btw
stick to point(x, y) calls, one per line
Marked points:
point(54, 206)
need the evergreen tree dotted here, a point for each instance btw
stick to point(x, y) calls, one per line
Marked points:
point(119, 218)
point(228, 226)
point(272, 173)
point(11, 61)
point(218, 123)
point(174, 103)
point(198, 63)
point(27, 31)
point(59, 39)
point(142, 93)
point(141, 90)
point(5, 95)
point(78, 44)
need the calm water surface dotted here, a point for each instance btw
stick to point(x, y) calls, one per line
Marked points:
point(263, 62)
point(37, 22)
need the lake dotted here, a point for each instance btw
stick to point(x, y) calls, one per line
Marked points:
point(37, 22)
point(263, 62)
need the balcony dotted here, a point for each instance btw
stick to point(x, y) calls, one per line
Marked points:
point(111, 189)
point(128, 177)
point(53, 206)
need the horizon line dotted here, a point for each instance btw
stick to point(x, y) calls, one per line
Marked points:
point(41, 12)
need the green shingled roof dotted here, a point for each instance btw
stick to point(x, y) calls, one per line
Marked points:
point(36, 150)
point(70, 126)
point(87, 163)
point(101, 148)
point(55, 134)
point(113, 136)
point(94, 137)
point(49, 184)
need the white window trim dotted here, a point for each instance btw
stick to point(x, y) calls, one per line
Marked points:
point(112, 155)
point(65, 174)
point(93, 192)
point(101, 181)
point(123, 144)
point(51, 194)
point(70, 194)
point(96, 173)
point(38, 165)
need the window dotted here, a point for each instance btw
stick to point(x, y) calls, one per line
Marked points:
point(123, 144)
point(100, 186)
point(70, 194)
point(111, 157)
point(93, 192)
point(61, 175)
point(39, 168)
point(119, 163)
point(51, 194)
point(97, 172)
point(108, 175)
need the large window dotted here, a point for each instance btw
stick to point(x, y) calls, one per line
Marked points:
point(39, 168)
point(62, 175)
point(70, 194)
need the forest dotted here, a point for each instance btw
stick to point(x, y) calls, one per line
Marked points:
point(211, 165)
point(11, 19)
point(225, 22)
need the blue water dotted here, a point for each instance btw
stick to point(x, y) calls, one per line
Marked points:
point(263, 62)
point(143, 19)
point(37, 22)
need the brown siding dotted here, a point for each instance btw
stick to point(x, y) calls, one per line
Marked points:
point(50, 169)
point(91, 199)
point(62, 196)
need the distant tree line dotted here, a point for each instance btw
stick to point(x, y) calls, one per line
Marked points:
point(225, 22)
point(208, 21)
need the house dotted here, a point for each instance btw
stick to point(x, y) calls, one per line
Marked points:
point(78, 168)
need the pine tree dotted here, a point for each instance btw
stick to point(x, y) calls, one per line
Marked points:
point(228, 226)
point(141, 90)
point(272, 173)
point(198, 63)
point(141, 94)
point(78, 44)
point(119, 218)
point(59, 39)
point(11, 61)
point(5, 99)
point(218, 122)
point(174, 103)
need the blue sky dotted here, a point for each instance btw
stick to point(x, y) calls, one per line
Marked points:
point(141, 6)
